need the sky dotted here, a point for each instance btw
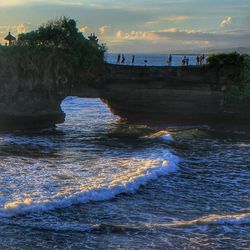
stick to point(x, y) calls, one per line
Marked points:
point(139, 26)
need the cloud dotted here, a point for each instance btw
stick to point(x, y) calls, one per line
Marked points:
point(134, 36)
point(175, 39)
point(103, 29)
point(226, 21)
point(175, 18)
point(164, 19)
point(118, 35)
point(12, 2)
point(21, 28)
point(170, 30)
point(84, 29)
point(14, 29)
point(154, 35)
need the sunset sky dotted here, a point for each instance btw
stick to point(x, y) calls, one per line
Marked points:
point(140, 25)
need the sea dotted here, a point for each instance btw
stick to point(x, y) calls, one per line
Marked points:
point(154, 59)
point(99, 182)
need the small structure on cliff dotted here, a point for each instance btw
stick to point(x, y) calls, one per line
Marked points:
point(93, 38)
point(10, 39)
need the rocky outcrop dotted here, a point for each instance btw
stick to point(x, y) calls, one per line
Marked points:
point(33, 86)
point(194, 94)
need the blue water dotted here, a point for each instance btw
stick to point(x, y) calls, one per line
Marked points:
point(152, 60)
point(96, 182)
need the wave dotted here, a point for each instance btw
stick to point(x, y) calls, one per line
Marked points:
point(219, 220)
point(164, 135)
point(130, 185)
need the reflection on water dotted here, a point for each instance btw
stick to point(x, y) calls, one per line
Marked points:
point(95, 181)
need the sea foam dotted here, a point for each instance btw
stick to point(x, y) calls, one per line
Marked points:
point(214, 219)
point(163, 135)
point(127, 184)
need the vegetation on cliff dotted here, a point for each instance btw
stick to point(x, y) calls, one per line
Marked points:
point(239, 91)
point(56, 48)
point(63, 34)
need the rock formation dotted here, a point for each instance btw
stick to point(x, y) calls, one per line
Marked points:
point(31, 90)
point(33, 86)
point(187, 94)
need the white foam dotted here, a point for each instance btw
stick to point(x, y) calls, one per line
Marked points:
point(167, 137)
point(164, 135)
point(219, 220)
point(128, 184)
point(236, 219)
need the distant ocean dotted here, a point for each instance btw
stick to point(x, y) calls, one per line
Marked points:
point(96, 182)
point(152, 59)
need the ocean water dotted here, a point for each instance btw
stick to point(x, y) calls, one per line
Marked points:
point(96, 182)
point(153, 59)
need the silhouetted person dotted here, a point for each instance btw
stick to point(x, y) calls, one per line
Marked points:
point(170, 59)
point(187, 61)
point(203, 59)
point(197, 60)
point(145, 61)
point(123, 59)
point(184, 60)
point(133, 59)
point(118, 58)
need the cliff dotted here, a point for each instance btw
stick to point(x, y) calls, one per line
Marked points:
point(194, 94)
point(30, 89)
point(33, 85)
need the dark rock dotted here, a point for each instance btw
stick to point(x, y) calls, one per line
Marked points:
point(31, 91)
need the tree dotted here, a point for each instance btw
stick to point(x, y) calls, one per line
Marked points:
point(63, 33)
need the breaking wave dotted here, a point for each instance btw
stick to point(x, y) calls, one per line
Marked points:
point(163, 135)
point(126, 184)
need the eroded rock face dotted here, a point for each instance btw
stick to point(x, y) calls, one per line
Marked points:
point(188, 94)
point(33, 86)
point(31, 89)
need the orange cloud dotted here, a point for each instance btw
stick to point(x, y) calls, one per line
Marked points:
point(103, 29)
point(84, 29)
point(226, 21)
point(168, 19)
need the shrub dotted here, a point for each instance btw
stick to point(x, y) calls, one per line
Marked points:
point(63, 34)
point(233, 58)
point(239, 92)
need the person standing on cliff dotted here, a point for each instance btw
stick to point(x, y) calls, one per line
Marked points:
point(118, 58)
point(197, 60)
point(123, 59)
point(170, 60)
point(184, 60)
point(133, 59)
point(203, 59)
